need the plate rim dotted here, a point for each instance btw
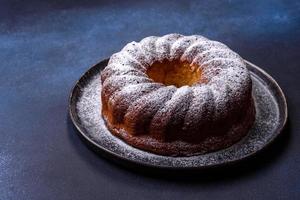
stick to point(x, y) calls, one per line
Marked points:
point(113, 156)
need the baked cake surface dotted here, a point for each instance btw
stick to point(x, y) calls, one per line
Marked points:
point(177, 95)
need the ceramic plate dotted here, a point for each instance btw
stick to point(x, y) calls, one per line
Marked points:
point(85, 113)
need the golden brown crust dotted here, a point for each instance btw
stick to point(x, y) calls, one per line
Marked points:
point(183, 148)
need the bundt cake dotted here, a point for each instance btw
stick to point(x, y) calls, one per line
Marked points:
point(177, 95)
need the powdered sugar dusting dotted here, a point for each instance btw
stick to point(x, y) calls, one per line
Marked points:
point(267, 122)
point(220, 65)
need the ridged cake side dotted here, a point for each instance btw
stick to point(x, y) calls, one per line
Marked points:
point(177, 121)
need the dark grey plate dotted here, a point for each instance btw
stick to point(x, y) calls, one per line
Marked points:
point(85, 112)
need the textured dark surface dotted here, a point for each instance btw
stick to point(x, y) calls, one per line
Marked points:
point(46, 46)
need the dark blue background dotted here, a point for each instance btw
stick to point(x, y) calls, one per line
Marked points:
point(45, 46)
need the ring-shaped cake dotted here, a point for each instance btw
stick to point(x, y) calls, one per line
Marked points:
point(177, 95)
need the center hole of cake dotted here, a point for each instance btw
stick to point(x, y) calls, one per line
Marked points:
point(174, 73)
